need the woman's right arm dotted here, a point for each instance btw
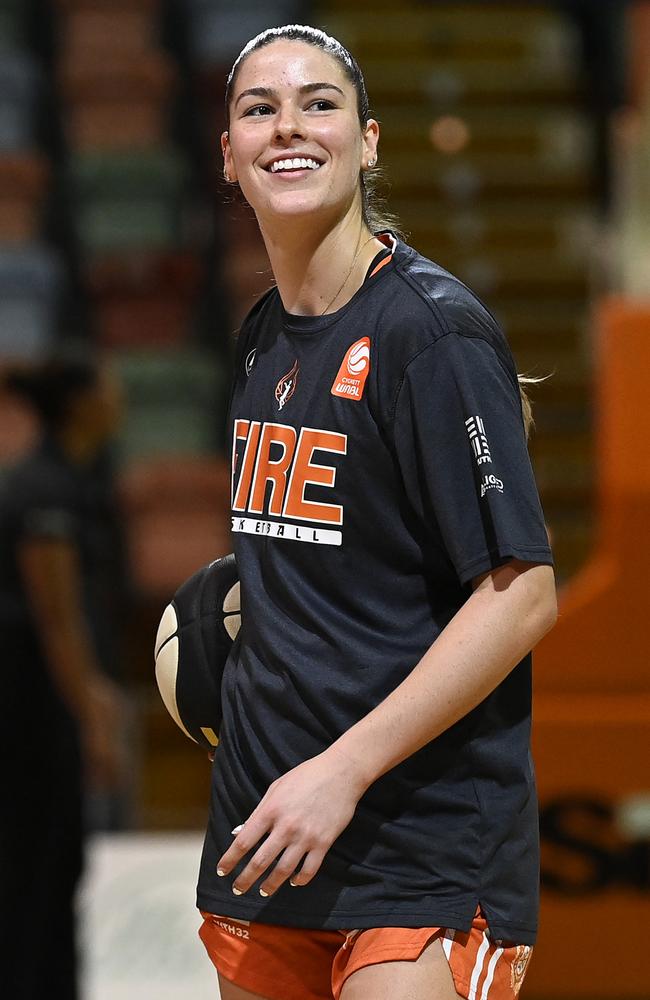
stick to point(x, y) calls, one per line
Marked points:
point(52, 581)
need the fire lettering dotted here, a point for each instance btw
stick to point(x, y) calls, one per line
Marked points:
point(274, 453)
point(274, 472)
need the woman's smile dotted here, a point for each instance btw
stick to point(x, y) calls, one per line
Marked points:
point(294, 165)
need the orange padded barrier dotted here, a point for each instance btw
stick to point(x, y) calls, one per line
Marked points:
point(592, 708)
point(598, 643)
point(592, 763)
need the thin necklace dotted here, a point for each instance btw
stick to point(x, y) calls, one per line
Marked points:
point(345, 280)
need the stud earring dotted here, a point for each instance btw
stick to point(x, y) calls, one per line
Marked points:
point(371, 163)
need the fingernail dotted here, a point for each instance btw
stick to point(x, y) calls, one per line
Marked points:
point(236, 891)
point(262, 893)
point(294, 884)
point(237, 829)
point(220, 872)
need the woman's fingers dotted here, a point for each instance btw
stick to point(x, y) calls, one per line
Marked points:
point(309, 867)
point(258, 864)
point(276, 861)
point(247, 836)
point(300, 817)
point(286, 868)
point(283, 870)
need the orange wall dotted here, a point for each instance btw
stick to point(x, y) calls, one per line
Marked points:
point(592, 707)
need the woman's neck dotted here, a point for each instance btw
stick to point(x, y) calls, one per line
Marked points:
point(319, 272)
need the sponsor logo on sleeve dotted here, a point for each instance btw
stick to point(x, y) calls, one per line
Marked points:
point(351, 376)
point(478, 439)
point(490, 482)
point(481, 448)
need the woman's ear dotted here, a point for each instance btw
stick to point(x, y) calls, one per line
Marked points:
point(370, 143)
point(229, 172)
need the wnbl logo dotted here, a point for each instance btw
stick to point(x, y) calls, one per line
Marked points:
point(351, 376)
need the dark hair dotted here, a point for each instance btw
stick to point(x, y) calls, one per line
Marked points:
point(374, 213)
point(50, 387)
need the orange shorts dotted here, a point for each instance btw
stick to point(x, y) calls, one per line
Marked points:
point(289, 963)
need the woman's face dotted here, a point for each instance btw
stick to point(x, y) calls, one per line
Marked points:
point(295, 144)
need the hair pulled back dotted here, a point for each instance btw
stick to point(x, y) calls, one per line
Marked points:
point(374, 213)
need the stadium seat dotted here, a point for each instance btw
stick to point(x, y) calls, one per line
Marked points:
point(129, 201)
point(530, 37)
point(96, 28)
point(31, 285)
point(23, 185)
point(193, 483)
point(175, 403)
point(177, 513)
point(20, 82)
point(144, 300)
point(12, 25)
point(219, 30)
point(116, 103)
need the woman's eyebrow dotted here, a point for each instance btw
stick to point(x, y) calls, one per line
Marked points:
point(306, 88)
point(255, 92)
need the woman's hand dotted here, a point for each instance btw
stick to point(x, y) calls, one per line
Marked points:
point(101, 719)
point(300, 817)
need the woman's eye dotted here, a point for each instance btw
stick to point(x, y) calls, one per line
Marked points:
point(322, 105)
point(257, 110)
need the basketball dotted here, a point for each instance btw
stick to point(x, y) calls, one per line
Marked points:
point(194, 638)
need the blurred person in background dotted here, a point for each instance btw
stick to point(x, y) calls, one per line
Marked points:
point(62, 713)
point(373, 828)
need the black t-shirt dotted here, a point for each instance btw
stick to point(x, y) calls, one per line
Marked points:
point(379, 464)
point(47, 496)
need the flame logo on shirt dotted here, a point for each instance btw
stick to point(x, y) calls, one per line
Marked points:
point(286, 386)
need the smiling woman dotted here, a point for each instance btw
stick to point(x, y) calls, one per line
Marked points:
point(373, 828)
point(294, 112)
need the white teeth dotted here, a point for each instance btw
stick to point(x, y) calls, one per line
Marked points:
point(297, 163)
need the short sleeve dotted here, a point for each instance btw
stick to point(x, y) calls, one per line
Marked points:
point(461, 448)
point(42, 506)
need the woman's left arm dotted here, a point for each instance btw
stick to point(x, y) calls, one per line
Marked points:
point(305, 810)
point(509, 611)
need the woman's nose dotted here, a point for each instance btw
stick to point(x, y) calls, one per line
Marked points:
point(289, 123)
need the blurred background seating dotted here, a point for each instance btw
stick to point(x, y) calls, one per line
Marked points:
point(516, 155)
point(115, 223)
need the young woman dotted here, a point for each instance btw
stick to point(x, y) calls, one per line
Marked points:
point(373, 829)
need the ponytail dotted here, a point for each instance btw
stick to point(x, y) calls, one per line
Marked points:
point(526, 405)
